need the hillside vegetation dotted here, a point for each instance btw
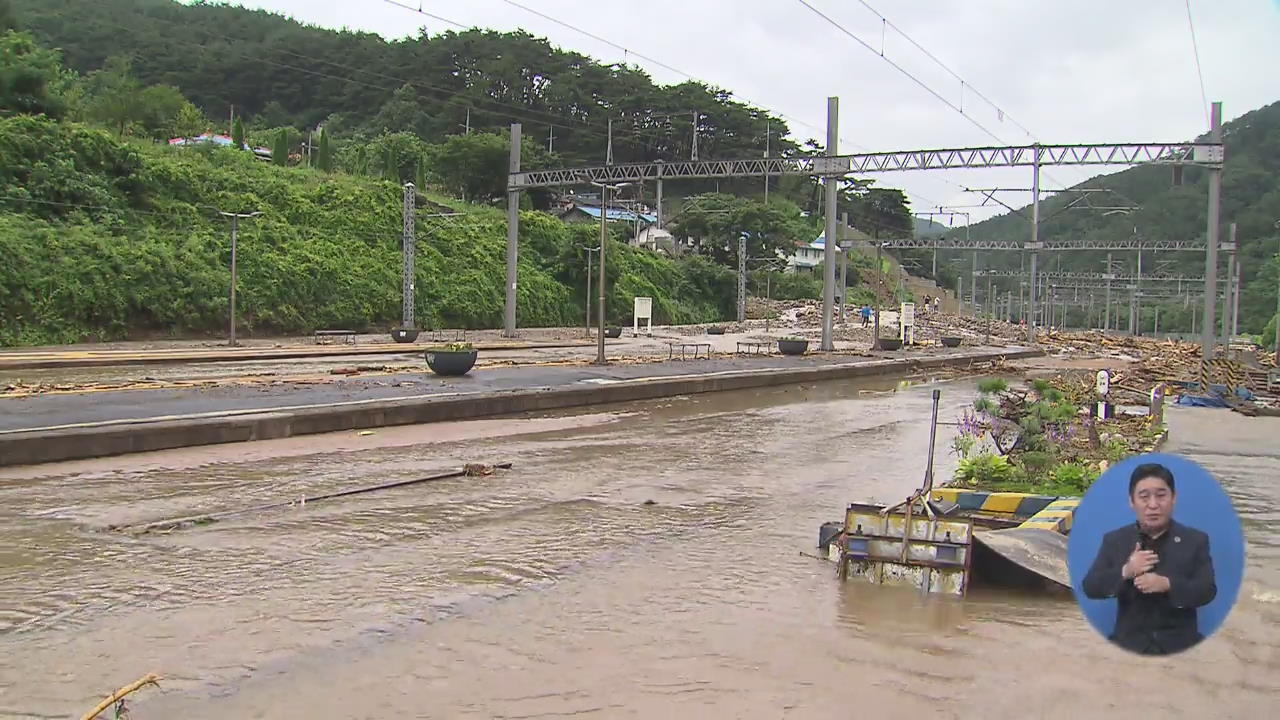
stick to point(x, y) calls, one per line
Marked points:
point(110, 238)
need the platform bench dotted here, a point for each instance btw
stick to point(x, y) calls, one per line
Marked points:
point(698, 350)
point(322, 337)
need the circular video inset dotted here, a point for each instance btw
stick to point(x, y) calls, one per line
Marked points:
point(1156, 554)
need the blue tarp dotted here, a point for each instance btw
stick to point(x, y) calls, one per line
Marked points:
point(1213, 401)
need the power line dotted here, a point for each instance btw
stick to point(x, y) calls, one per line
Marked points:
point(902, 70)
point(653, 61)
point(1195, 46)
point(1002, 113)
point(627, 51)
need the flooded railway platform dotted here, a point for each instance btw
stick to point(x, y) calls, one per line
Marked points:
point(638, 561)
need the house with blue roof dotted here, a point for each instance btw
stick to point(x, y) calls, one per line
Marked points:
point(588, 213)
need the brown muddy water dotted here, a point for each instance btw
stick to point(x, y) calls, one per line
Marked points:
point(554, 590)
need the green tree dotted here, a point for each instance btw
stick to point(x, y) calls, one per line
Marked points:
point(273, 114)
point(324, 160)
point(237, 132)
point(29, 76)
point(714, 222)
point(189, 121)
point(474, 165)
point(7, 19)
point(157, 111)
point(114, 94)
point(401, 113)
point(280, 151)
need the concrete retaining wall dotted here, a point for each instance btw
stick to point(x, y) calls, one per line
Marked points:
point(36, 446)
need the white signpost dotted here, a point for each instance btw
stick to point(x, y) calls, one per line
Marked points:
point(643, 311)
point(907, 323)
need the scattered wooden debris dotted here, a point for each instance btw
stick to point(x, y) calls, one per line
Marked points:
point(116, 699)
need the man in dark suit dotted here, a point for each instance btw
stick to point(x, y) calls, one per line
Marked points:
point(1159, 571)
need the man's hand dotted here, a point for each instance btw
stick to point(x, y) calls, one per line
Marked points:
point(1140, 561)
point(1151, 583)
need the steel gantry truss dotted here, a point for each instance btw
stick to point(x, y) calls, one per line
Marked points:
point(1208, 154)
point(1069, 244)
point(1073, 275)
point(834, 166)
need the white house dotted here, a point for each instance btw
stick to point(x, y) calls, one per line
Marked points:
point(808, 256)
point(654, 238)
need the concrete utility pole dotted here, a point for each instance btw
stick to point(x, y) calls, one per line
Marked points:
point(767, 131)
point(875, 340)
point(1235, 301)
point(605, 188)
point(235, 227)
point(830, 183)
point(407, 243)
point(1230, 247)
point(589, 251)
point(1106, 317)
point(1034, 245)
point(513, 235)
point(742, 278)
point(844, 264)
point(973, 285)
point(1208, 326)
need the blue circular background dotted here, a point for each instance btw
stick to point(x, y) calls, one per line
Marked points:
point(1201, 503)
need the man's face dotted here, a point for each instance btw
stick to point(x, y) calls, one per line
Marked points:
point(1152, 503)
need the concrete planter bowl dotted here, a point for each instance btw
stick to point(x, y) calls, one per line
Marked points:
point(790, 346)
point(444, 361)
point(613, 332)
point(404, 335)
point(890, 344)
point(950, 341)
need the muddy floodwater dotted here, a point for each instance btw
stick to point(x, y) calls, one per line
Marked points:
point(644, 561)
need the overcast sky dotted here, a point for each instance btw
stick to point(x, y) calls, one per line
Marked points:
point(1082, 71)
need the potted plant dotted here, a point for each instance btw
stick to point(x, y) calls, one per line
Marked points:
point(792, 345)
point(404, 335)
point(950, 341)
point(613, 331)
point(890, 343)
point(452, 359)
point(715, 330)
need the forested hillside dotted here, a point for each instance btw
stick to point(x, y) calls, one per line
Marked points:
point(1250, 198)
point(371, 95)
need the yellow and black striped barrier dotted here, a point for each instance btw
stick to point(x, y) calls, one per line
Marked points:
point(1049, 512)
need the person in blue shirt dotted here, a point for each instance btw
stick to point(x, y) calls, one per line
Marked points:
point(866, 315)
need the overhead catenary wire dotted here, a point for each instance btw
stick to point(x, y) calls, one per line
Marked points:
point(1002, 113)
point(925, 86)
point(1195, 47)
point(653, 61)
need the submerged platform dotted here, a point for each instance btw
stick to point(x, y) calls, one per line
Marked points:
point(954, 537)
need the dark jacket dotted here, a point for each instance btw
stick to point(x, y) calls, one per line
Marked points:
point(1155, 623)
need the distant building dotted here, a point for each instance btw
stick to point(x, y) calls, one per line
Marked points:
point(220, 140)
point(577, 213)
point(808, 256)
point(655, 238)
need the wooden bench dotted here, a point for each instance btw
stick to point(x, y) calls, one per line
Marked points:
point(754, 348)
point(697, 348)
point(447, 335)
point(321, 337)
